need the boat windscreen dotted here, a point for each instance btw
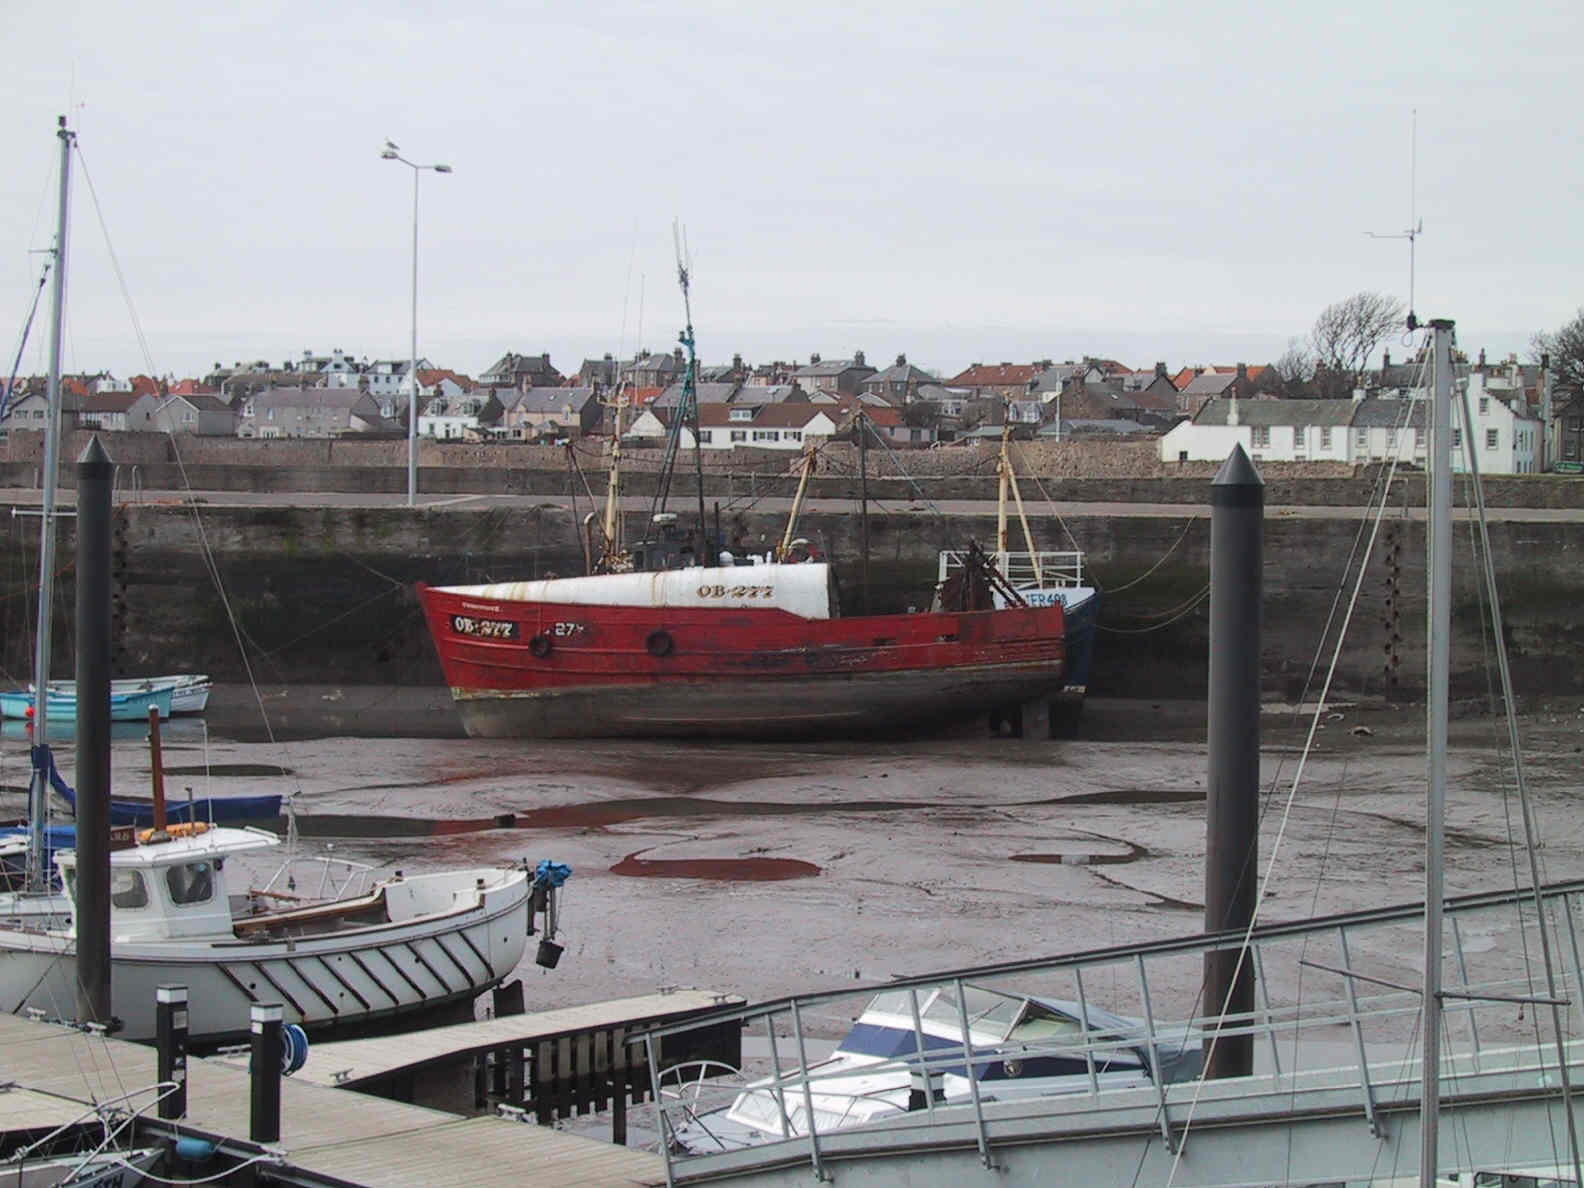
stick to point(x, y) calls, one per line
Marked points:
point(987, 1010)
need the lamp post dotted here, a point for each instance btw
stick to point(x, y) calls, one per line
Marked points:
point(391, 152)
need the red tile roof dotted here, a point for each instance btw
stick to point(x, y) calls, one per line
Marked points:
point(984, 375)
point(191, 387)
point(143, 385)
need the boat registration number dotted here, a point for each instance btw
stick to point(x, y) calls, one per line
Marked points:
point(736, 591)
point(485, 628)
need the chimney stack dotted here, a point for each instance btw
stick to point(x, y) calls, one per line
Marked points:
point(901, 361)
point(858, 359)
point(1160, 370)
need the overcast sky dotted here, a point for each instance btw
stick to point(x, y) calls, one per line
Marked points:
point(1188, 182)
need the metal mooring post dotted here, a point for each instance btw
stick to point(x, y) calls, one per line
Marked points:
point(264, 1021)
point(1237, 502)
point(95, 480)
point(170, 1037)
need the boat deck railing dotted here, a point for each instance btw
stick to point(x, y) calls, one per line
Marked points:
point(1043, 569)
point(1336, 1007)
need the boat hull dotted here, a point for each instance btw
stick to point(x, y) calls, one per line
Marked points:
point(124, 707)
point(789, 708)
point(522, 669)
point(327, 983)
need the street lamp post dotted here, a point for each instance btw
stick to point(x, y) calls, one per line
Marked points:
point(391, 152)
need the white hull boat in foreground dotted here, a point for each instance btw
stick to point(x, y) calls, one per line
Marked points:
point(397, 947)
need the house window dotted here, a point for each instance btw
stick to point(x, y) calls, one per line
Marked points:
point(1301, 438)
point(706, 436)
point(1492, 436)
point(739, 435)
point(1325, 437)
point(1361, 438)
point(1457, 438)
point(187, 417)
point(1261, 436)
point(767, 435)
point(1484, 405)
point(794, 435)
point(1418, 439)
point(742, 414)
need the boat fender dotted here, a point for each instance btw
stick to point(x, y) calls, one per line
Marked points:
point(195, 1150)
point(540, 645)
point(660, 643)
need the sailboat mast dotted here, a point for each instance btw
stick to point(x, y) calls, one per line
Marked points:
point(1439, 633)
point(690, 405)
point(38, 788)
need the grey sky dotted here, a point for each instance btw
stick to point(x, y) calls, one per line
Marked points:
point(1181, 181)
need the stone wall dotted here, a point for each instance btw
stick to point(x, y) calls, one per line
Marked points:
point(326, 594)
point(1067, 472)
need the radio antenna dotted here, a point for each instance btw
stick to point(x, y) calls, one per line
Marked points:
point(1415, 223)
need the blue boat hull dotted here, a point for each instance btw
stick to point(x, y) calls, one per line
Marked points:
point(124, 707)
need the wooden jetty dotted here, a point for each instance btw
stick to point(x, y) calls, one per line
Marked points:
point(50, 1074)
point(552, 1064)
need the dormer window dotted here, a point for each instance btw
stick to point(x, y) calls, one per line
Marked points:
point(742, 414)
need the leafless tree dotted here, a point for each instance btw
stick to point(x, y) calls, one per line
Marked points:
point(1295, 369)
point(1346, 334)
point(1566, 348)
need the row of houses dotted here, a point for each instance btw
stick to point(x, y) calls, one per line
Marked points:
point(1378, 428)
point(1196, 412)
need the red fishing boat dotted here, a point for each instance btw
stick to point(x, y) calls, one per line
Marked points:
point(744, 651)
point(652, 642)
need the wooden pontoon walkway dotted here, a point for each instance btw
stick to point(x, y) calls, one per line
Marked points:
point(350, 1063)
point(328, 1136)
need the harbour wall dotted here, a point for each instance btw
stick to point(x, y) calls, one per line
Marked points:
point(316, 594)
point(1077, 471)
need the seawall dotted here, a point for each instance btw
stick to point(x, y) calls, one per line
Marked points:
point(324, 594)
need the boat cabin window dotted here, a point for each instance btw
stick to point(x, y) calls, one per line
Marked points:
point(190, 883)
point(127, 889)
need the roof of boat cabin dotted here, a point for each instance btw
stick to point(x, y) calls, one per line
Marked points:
point(212, 843)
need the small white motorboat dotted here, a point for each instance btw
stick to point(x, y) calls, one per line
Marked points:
point(184, 909)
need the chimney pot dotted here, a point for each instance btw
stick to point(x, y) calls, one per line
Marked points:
point(901, 361)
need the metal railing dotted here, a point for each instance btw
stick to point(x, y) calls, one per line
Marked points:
point(1336, 1005)
point(1043, 569)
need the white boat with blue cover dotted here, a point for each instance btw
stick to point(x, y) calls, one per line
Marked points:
point(1021, 1046)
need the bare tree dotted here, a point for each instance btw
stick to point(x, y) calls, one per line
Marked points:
point(1566, 348)
point(1295, 369)
point(1346, 334)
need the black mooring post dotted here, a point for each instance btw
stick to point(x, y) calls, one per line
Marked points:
point(264, 1021)
point(95, 479)
point(170, 1037)
point(1237, 502)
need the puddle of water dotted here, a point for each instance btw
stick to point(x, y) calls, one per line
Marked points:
point(1128, 796)
point(742, 870)
point(635, 808)
point(230, 769)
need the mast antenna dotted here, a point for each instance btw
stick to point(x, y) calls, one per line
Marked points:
point(1415, 223)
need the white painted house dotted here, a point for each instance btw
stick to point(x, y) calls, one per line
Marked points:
point(1507, 439)
point(1270, 430)
point(784, 426)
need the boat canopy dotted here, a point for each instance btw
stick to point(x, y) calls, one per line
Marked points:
point(802, 589)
